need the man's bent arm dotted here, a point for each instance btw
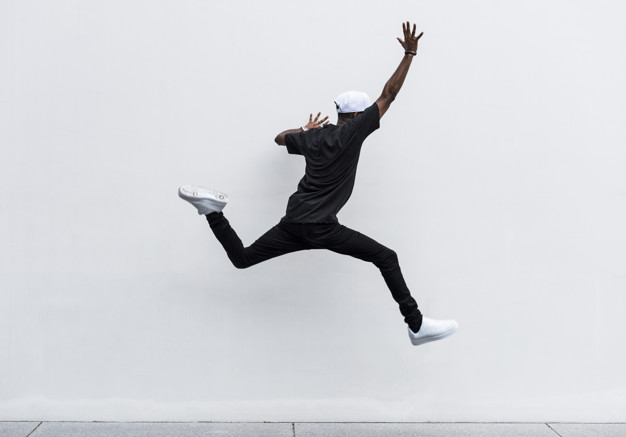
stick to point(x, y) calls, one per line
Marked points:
point(393, 85)
point(280, 138)
point(312, 124)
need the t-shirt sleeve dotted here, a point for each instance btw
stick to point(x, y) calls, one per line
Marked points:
point(363, 125)
point(295, 143)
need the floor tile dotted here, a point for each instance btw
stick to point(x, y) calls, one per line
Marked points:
point(152, 429)
point(16, 429)
point(423, 430)
point(590, 429)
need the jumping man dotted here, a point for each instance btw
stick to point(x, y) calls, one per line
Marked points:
point(332, 154)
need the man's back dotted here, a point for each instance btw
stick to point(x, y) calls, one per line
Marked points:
point(332, 155)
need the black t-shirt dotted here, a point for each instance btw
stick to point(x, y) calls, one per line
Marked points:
point(331, 154)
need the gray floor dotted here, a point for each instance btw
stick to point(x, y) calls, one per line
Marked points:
point(288, 429)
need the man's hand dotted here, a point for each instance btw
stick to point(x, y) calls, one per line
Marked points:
point(410, 40)
point(314, 124)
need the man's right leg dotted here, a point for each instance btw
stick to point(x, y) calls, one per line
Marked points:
point(349, 242)
point(275, 242)
point(346, 241)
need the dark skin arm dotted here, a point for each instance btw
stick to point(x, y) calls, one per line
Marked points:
point(312, 124)
point(390, 91)
point(393, 85)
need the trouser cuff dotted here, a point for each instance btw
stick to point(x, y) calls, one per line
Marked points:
point(414, 321)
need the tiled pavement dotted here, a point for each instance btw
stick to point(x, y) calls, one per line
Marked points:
point(298, 429)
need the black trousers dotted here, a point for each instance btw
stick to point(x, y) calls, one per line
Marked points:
point(290, 237)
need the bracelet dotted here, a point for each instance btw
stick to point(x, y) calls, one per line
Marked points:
point(410, 52)
point(304, 129)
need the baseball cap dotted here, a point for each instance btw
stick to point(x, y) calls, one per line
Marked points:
point(352, 101)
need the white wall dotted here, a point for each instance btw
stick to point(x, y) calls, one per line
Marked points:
point(498, 177)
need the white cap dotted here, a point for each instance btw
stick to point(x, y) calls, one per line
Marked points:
point(352, 101)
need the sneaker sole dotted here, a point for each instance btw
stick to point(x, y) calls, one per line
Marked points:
point(214, 197)
point(434, 338)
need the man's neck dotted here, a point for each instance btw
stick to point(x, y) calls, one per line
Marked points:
point(343, 120)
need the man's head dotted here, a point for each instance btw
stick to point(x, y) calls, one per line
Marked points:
point(351, 103)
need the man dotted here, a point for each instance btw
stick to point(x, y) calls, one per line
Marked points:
point(332, 154)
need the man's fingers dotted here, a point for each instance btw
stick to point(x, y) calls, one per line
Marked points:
point(316, 120)
point(413, 33)
point(420, 35)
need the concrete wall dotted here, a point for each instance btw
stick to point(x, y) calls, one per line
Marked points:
point(497, 176)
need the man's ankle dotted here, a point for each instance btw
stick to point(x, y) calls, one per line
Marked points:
point(214, 217)
point(415, 327)
point(416, 323)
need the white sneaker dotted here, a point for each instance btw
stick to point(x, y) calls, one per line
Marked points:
point(432, 330)
point(206, 201)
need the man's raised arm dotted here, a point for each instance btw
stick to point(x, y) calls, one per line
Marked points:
point(393, 85)
point(312, 124)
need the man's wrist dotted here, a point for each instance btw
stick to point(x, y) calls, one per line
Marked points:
point(410, 52)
